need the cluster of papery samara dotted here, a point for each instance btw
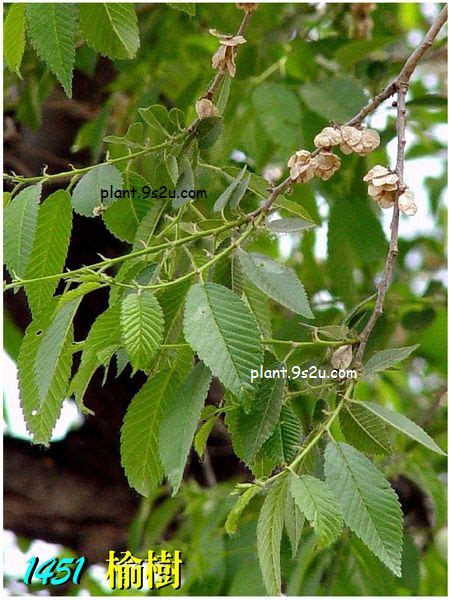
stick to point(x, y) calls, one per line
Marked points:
point(383, 187)
point(304, 166)
point(224, 57)
point(323, 164)
point(360, 140)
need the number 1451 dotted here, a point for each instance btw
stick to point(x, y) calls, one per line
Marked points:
point(55, 571)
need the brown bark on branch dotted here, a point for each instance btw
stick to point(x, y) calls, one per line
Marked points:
point(401, 85)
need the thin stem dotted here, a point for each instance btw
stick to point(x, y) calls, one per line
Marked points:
point(310, 344)
point(73, 172)
point(402, 79)
point(402, 86)
point(107, 263)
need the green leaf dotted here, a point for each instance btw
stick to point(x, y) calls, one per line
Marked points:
point(142, 326)
point(134, 137)
point(277, 281)
point(87, 193)
point(208, 131)
point(294, 523)
point(269, 536)
point(123, 217)
point(224, 198)
point(387, 358)
point(104, 333)
point(52, 346)
point(110, 28)
point(202, 434)
point(348, 54)
point(364, 430)
point(334, 99)
point(258, 303)
point(188, 7)
point(157, 116)
point(293, 208)
point(50, 248)
point(180, 418)
point(224, 93)
point(315, 501)
point(404, 425)
point(41, 416)
point(173, 168)
point(369, 504)
point(19, 227)
point(289, 225)
point(14, 37)
point(139, 434)
point(231, 524)
point(185, 183)
point(239, 192)
point(278, 109)
point(281, 446)
point(52, 28)
point(223, 332)
point(251, 429)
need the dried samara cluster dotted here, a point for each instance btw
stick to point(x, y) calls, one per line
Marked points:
point(383, 187)
point(323, 163)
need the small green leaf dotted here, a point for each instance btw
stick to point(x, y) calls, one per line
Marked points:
point(404, 425)
point(251, 429)
point(52, 28)
point(289, 225)
point(158, 118)
point(369, 504)
point(142, 326)
point(278, 109)
point(259, 305)
point(269, 535)
point(231, 524)
point(387, 358)
point(224, 198)
point(293, 208)
point(52, 346)
point(201, 437)
point(87, 194)
point(50, 248)
point(14, 37)
point(334, 99)
point(277, 281)
point(208, 131)
point(223, 332)
point(364, 430)
point(110, 28)
point(139, 434)
point(239, 192)
point(19, 228)
point(179, 421)
point(132, 139)
point(173, 168)
point(280, 448)
point(294, 523)
point(123, 217)
point(41, 416)
point(104, 333)
point(185, 183)
point(224, 93)
point(315, 501)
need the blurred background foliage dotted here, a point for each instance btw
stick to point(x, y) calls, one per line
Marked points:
point(302, 66)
